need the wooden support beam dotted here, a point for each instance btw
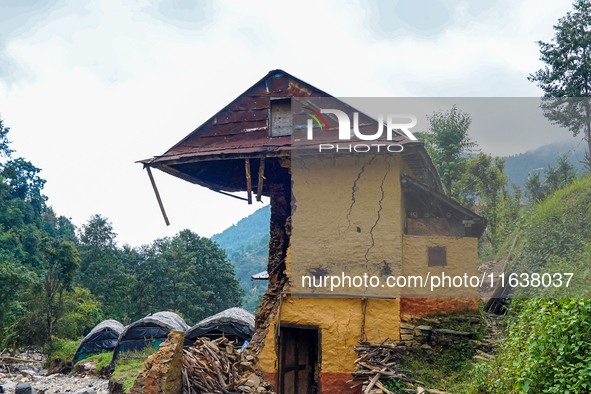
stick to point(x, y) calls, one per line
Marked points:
point(248, 180)
point(229, 195)
point(158, 196)
point(261, 178)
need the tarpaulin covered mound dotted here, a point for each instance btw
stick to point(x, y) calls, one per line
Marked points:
point(103, 336)
point(236, 324)
point(151, 330)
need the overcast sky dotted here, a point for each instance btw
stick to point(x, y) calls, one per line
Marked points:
point(88, 87)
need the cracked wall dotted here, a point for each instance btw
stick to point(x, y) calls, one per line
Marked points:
point(346, 216)
point(346, 219)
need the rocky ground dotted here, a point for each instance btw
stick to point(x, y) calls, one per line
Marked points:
point(15, 371)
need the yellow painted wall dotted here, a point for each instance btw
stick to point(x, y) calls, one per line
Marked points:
point(462, 258)
point(332, 234)
point(336, 229)
point(339, 320)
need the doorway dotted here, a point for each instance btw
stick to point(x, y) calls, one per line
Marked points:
point(299, 362)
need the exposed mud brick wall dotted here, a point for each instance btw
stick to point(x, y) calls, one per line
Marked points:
point(280, 231)
point(162, 370)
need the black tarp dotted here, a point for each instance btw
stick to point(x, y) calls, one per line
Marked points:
point(103, 336)
point(235, 323)
point(148, 331)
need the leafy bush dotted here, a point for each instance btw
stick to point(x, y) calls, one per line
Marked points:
point(84, 312)
point(79, 314)
point(60, 352)
point(547, 349)
point(555, 236)
point(556, 226)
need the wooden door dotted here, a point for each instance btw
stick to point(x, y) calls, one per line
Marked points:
point(299, 364)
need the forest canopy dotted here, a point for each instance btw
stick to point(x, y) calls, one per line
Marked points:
point(60, 281)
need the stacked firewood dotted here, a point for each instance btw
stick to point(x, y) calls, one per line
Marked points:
point(215, 367)
point(379, 362)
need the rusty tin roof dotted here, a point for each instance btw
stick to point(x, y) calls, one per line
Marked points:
point(241, 130)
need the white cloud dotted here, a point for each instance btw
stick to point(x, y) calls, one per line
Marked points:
point(112, 82)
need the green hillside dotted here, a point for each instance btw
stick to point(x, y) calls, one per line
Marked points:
point(247, 245)
point(244, 232)
point(517, 167)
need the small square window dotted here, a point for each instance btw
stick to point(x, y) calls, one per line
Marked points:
point(437, 256)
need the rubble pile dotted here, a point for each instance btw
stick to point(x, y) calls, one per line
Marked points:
point(22, 360)
point(428, 334)
point(23, 372)
point(216, 367)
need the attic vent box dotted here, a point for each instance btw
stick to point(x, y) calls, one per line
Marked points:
point(281, 118)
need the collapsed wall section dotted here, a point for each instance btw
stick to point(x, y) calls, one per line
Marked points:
point(280, 231)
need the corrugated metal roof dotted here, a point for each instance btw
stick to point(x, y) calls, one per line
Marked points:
point(260, 276)
point(241, 130)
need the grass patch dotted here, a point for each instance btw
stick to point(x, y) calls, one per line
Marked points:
point(126, 373)
point(60, 352)
point(129, 365)
point(446, 368)
point(101, 360)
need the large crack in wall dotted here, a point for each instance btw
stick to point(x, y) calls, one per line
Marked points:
point(378, 213)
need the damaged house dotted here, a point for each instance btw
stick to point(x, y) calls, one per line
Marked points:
point(337, 215)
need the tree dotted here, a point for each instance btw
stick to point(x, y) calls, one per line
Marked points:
point(533, 187)
point(60, 262)
point(556, 177)
point(561, 175)
point(4, 143)
point(79, 313)
point(448, 143)
point(188, 274)
point(101, 270)
point(494, 202)
point(567, 73)
point(13, 278)
point(98, 232)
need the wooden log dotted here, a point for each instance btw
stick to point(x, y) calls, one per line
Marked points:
point(357, 385)
point(372, 382)
point(17, 359)
point(454, 332)
point(248, 180)
point(381, 387)
point(157, 196)
point(261, 178)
